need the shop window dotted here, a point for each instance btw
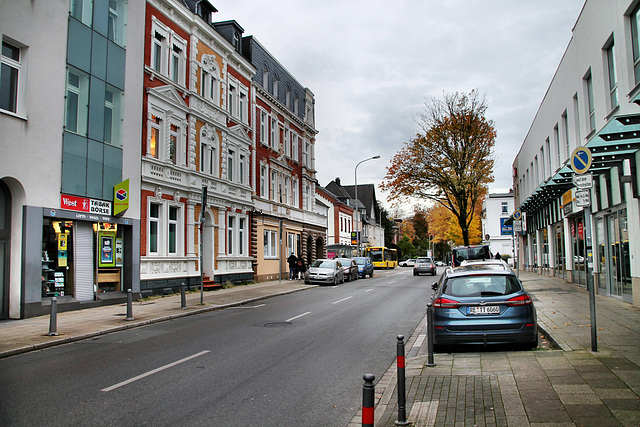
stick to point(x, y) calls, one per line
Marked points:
point(57, 258)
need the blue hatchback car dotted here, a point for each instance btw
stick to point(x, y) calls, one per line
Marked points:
point(483, 303)
point(365, 266)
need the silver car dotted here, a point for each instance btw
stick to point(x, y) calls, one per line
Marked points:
point(325, 271)
point(424, 265)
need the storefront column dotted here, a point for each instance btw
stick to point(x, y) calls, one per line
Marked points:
point(539, 250)
point(568, 250)
point(552, 250)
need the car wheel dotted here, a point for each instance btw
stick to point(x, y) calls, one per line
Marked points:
point(342, 279)
point(335, 280)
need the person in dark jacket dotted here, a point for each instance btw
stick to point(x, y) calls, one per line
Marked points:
point(498, 256)
point(302, 268)
point(293, 267)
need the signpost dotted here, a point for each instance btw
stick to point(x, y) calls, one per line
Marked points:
point(580, 163)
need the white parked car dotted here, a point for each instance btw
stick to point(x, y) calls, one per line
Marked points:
point(408, 262)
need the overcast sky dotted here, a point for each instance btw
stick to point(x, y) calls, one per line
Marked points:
point(371, 64)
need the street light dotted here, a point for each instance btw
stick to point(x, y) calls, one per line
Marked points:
point(356, 201)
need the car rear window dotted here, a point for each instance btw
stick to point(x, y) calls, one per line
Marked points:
point(361, 261)
point(490, 285)
point(423, 260)
point(324, 264)
point(470, 253)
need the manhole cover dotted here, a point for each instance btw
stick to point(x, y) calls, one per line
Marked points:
point(277, 324)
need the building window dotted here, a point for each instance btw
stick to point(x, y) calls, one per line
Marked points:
point(270, 244)
point(565, 133)
point(76, 111)
point(154, 220)
point(160, 47)
point(295, 141)
point(154, 136)
point(176, 64)
point(173, 143)
point(112, 116)
point(611, 74)
point(294, 192)
point(173, 230)
point(635, 43)
point(241, 236)
point(505, 208)
point(10, 71)
point(263, 127)
point(82, 10)
point(116, 22)
point(230, 161)
point(274, 129)
point(243, 107)
point(287, 184)
point(274, 186)
point(556, 140)
point(263, 180)
point(276, 85)
point(287, 142)
point(265, 78)
point(242, 167)
point(230, 231)
point(588, 81)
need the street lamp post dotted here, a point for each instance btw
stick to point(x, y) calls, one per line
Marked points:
point(356, 197)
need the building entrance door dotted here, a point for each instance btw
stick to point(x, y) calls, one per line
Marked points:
point(5, 248)
point(559, 250)
point(619, 271)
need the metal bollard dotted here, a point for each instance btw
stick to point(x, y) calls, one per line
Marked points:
point(430, 334)
point(130, 305)
point(402, 399)
point(53, 318)
point(368, 400)
point(183, 297)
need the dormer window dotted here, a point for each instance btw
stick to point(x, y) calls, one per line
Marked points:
point(206, 11)
point(236, 41)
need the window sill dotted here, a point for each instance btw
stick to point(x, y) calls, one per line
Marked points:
point(12, 114)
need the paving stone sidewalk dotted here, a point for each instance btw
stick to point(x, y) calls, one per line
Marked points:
point(572, 386)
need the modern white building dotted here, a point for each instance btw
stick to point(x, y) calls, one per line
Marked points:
point(496, 209)
point(592, 101)
point(70, 114)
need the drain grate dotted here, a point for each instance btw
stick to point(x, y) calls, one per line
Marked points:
point(277, 324)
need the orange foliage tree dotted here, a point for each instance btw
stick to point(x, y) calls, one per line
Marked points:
point(450, 162)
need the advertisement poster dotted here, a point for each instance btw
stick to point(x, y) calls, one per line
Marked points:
point(106, 257)
point(62, 248)
point(119, 253)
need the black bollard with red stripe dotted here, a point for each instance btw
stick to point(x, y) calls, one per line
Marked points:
point(368, 400)
point(402, 400)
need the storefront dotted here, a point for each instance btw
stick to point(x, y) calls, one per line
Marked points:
point(83, 259)
point(613, 255)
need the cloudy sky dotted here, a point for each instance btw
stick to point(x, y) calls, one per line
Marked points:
point(371, 64)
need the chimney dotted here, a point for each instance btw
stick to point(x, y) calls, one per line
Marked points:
point(338, 181)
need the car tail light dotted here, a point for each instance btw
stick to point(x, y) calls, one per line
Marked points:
point(520, 300)
point(445, 303)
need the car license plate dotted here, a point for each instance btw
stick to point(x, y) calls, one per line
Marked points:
point(488, 309)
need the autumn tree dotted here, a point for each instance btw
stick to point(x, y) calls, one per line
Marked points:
point(450, 161)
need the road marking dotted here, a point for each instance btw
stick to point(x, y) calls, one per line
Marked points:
point(368, 290)
point(343, 299)
point(298, 316)
point(162, 368)
point(251, 306)
point(393, 281)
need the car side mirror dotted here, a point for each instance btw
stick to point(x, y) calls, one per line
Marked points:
point(435, 286)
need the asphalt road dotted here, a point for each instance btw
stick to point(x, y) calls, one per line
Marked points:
point(293, 360)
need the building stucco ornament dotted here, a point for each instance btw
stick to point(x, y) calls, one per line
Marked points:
point(176, 197)
point(158, 192)
point(209, 64)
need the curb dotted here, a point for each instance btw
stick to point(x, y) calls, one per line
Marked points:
point(164, 318)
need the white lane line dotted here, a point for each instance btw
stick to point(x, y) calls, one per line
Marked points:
point(298, 316)
point(393, 281)
point(162, 368)
point(251, 306)
point(368, 290)
point(343, 299)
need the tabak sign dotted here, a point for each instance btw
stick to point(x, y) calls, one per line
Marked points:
point(84, 204)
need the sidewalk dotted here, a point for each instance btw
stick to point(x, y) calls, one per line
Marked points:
point(569, 387)
point(21, 336)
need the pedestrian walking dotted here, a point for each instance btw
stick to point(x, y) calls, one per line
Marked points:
point(302, 268)
point(498, 256)
point(293, 266)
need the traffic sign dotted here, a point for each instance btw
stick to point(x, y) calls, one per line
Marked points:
point(581, 160)
point(517, 215)
point(583, 181)
point(517, 226)
point(583, 198)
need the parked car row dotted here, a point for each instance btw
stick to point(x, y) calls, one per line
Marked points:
point(338, 270)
